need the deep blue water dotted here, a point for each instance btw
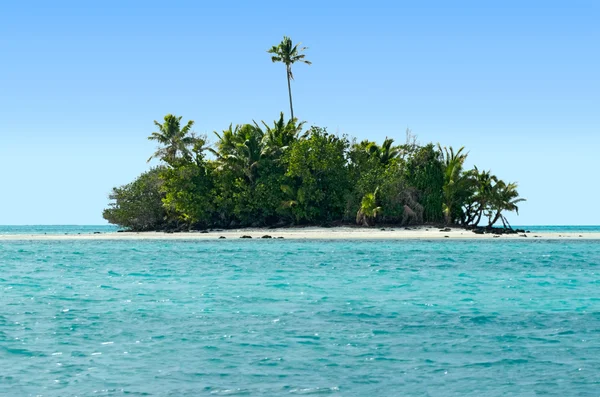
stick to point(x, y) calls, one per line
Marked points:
point(269, 318)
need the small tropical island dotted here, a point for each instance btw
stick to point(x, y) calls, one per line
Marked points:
point(286, 173)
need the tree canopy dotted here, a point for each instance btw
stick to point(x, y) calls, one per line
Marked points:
point(264, 174)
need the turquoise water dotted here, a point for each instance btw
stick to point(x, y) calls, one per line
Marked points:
point(561, 229)
point(268, 318)
point(57, 229)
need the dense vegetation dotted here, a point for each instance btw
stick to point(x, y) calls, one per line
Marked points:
point(285, 174)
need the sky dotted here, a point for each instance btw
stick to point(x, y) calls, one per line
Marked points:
point(517, 83)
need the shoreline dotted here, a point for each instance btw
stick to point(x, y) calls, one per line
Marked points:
point(314, 233)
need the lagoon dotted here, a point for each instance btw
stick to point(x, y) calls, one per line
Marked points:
point(351, 318)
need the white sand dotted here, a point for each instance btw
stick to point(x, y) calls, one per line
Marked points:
point(312, 233)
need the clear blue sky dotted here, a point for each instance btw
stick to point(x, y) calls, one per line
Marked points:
point(516, 82)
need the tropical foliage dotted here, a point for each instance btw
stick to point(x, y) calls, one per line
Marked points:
point(139, 204)
point(174, 141)
point(280, 174)
point(261, 174)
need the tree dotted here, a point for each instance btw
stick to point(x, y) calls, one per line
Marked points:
point(384, 153)
point(288, 54)
point(424, 172)
point(138, 205)
point(278, 138)
point(187, 187)
point(241, 149)
point(504, 198)
point(368, 209)
point(174, 140)
point(319, 179)
point(387, 152)
point(456, 185)
point(251, 170)
point(479, 195)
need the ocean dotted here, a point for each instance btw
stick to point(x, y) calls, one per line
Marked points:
point(284, 317)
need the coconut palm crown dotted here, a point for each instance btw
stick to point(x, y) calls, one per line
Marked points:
point(288, 54)
point(174, 139)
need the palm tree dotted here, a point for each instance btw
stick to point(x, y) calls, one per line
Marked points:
point(241, 148)
point(504, 198)
point(278, 138)
point(227, 141)
point(175, 140)
point(384, 153)
point(455, 182)
point(288, 54)
point(484, 188)
point(368, 209)
point(481, 190)
point(387, 152)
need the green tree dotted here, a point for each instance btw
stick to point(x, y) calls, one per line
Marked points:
point(138, 206)
point(424, 172)
point(456, 184)
point(504, 198)
point(368, 209)
point(241, 149)
point(188, 188)
point(319, 178)
point(251, 155)
point(280, 136)
point(174, 140)
point(479, 194)
point(288, 54)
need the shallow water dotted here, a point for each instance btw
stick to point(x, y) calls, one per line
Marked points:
point(57, 229)
point(380, 318)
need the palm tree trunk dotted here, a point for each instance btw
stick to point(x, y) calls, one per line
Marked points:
point(478, 218)
point(290, 92)
point(492, 223)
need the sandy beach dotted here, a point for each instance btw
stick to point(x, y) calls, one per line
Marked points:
point(311, 233)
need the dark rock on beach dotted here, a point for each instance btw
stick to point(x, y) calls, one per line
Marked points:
point(266, 236)
point(245, 236)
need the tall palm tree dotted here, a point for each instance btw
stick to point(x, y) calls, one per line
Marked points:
point(173, 139)
point(288, 54)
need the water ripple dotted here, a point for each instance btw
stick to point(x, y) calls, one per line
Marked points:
point(151, 318)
